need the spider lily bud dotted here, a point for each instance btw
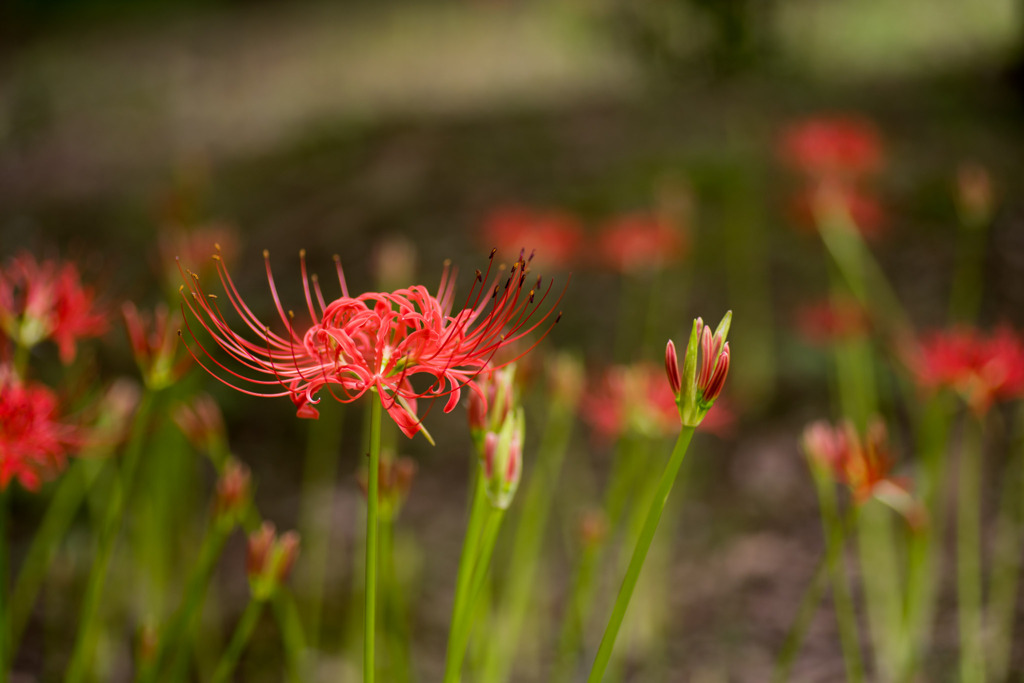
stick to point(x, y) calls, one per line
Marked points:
point(203, 425)
point(565, 379)
point(154, 345)
point(488, 410)
point(234, 490)
point(503, 459)
point(269, 559)
point(700, 383)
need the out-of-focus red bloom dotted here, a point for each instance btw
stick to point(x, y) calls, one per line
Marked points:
point(191, 244)
point(832, 147)
point(34, 444)
point(46, 300)
point(154, 345)
point(831, 320)
point(864, 465)
point(557, 235)
point(981, 369)
point(635, 398)
point(375, 342)
point(862, 207)
point(639, 242)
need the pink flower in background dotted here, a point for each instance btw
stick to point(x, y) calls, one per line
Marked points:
point(635, 398)
point(639, 242)
point(556, 235)
point(982, 369)
point(837, 147)
point(377, 342)
point(829, 321)
point(46, 300)
point(34, 445)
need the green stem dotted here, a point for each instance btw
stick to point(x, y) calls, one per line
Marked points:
point(880, 577)
point(477, 514)
point(572, 627)
point(804, 615)
point(21, 357)
point(668, 478)
point(292, 636)
point(968, 275)
point(834, 539)
point(239, 639)
point(968, 552)
point(88, 627)
point(526, 547)
point(174, 644)
point(395, 625)
point(372, 500)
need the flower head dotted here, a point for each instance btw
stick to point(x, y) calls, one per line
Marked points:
point(695, 391)
point(982, 369)
point(34, 445)
point(639, 242)
point(46, 300)
point(515, 228)
point(862, 464)
point(833, 147)
point(377, 342)
point(154, 345)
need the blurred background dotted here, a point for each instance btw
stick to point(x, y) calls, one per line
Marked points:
point(339, 127)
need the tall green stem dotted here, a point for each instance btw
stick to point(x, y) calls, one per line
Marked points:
point(880, 575)
point(668, 478)
point(834, 537)
point(373, 493)
point(463, 581)
point(88, 627)
point(292, 635)
point(968, 552)
point(240, 638)
point(798, 631)
point(399, 665)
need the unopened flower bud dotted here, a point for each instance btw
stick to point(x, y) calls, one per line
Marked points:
point(269, 559)
point(234, 490)
point(202, 424)
point(974, 195)
point(503, 460)
point(705, 368)
point(565, 374)
point(394, 481)
point(154, 345)
point(488, 409)
point(593, 528)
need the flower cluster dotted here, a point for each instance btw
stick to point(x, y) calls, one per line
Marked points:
point(376, 342)
point(835, 156)
point(34, 444)
point(980, 368)
point(46, 300)
point(862, 464)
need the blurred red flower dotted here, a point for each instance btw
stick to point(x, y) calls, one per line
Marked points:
point(841, 146)
point(556, 235)
point(639, 242)
point(636, 398)
point(34, 445)
point(982, 369)
point(375, 342)
point(46, 300)
point(828, 321)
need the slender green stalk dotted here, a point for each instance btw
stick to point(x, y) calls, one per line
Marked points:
point(88, 627)
point(526, 547)
point(880, 576)
point(372, 500)
point(1006, 567)
point(462, 628)
point(320, 471)
point(292, 636)
point(801, 623)
point(463, 581)
point(582, 587)
point(174, 644)
point(668, 478)
point(239, 639)
point(834, 539)
point(20, 363)
point(968, 552)
point(968, 273)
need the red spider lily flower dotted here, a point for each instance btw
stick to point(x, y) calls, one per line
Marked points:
point(47, 300)
point(635, 399)
point(154, 346)
point(517, 228)
point(640, 242)
point(832, 320)
point(981, 369)
point(696, 391)
point(864, 465)
point(377, 342)
point(34, 445)
point(832, 147)
point(861, 207)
